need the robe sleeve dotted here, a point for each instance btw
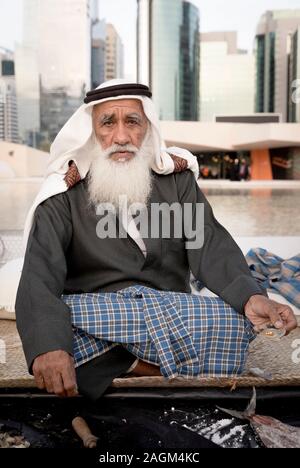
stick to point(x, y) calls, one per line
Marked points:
point(43, 319)
point(219, 264)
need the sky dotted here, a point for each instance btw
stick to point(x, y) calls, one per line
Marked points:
point(215, 15)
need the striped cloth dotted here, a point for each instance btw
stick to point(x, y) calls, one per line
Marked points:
point(184, 334)
point(273, 272)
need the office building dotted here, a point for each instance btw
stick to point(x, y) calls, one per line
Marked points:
point(168, 56)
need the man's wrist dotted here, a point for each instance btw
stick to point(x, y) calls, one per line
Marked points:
point(252, 299)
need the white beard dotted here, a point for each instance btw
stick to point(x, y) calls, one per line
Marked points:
point(108, 179)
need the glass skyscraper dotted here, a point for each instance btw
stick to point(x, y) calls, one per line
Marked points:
point(8, 100)
point(168, 56)
point(272, 55)
point(98, 52)
point(53, 65)
point(294, 78)
point(189, 63)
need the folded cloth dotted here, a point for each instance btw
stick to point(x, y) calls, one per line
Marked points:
point(273, 272)
point(184, 334)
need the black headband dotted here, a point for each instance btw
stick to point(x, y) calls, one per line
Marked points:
point(117, 90)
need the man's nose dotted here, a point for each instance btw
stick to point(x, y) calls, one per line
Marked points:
point(121, 136)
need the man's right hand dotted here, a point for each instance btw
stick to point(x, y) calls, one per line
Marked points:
point(55, 372)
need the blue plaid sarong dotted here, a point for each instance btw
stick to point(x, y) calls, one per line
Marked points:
point(185, 334)
point(273, 272)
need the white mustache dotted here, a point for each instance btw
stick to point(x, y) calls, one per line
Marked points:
point(119, 149)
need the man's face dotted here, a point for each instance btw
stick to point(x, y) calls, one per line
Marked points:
point(120, 122)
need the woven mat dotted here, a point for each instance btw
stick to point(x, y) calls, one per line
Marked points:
point(273, 356)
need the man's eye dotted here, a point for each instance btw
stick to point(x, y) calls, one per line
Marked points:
point(107, 124)
point(132, 122)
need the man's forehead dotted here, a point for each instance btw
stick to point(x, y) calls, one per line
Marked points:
point(128, 105)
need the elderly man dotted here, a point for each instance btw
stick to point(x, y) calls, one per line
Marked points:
point(91, 306)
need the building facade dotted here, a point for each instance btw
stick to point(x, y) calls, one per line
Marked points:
point(114, 54)
point(226, 76)
point(294, 78)
point(8, 100)
point(189, 63)
point(168, 56)
point(98, 60)
point(271, 150)
point(273, 40)
point(54, 59)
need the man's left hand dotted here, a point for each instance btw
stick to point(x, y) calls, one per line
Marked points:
point(262, 311)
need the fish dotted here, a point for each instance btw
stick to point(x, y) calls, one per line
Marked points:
point(272, 432)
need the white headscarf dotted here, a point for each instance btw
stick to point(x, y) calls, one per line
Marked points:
point(74, 143)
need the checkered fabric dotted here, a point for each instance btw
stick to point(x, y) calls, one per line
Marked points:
point(184, 334)
point(275, 273)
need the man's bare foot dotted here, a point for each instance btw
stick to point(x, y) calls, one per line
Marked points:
point(144, 369)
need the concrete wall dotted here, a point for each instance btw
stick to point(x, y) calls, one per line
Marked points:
point(23, 160)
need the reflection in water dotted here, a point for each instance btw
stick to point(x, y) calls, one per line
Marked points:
point(244, 212)
point(257, 212)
